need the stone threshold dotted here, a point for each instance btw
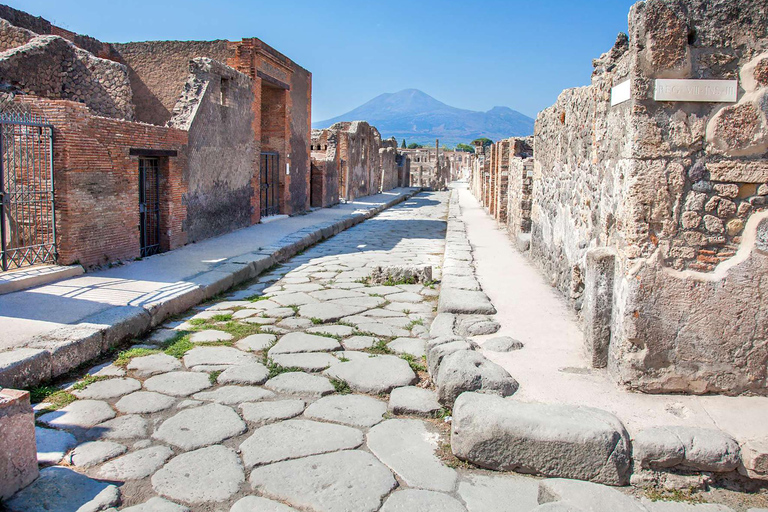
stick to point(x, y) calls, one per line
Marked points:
point(52, 354)
point(30, 277)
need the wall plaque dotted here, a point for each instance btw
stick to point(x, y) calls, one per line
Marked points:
point(620, 93)
point(716, 91)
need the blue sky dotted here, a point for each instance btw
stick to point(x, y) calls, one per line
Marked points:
point(473, 55)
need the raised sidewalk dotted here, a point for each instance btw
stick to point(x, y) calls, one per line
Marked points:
point(49, 330)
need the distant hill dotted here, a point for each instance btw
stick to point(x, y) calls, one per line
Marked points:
point(418, 117)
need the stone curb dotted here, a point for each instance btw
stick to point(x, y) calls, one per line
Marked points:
point(52, 354)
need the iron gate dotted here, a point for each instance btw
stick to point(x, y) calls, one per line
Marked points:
point(27, 215)
point(149, 205)
point(270, 184)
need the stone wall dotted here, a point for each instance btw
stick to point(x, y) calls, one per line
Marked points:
point(326, 161)
point(429, 168)
point(216, 109)
point(673, 191)
point(388, 164)
point(520, 186)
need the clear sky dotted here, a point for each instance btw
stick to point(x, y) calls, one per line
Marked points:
point(473, 55)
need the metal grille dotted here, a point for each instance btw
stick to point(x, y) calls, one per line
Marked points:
point(27, 216)
point(149, 205)
point(270, 184)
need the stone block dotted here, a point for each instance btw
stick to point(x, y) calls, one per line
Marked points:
point(18, 451)
point(690, 448)
point(119, 324)
point(442, 325)
point(24, 367)
point(523, 241)
point(754, 454)
point(598, 304)
point(469, 302)
point(468, 370)
point(554, 440)
point(70, 346)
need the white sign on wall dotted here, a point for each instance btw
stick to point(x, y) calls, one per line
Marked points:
point(716, 91)
point(620, 93)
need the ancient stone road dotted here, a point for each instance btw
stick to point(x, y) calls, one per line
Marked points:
point(303, 391)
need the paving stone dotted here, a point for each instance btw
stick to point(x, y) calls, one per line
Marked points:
point(591, 496)
point(144, 402)
point(146, 366)
point(308, 362)
point(106, 370)
point(436, 352)
point(216, 356)
point(157, 505)
point(274, 330)
point(268, 412)
point(296, 342)
point(332, 330)
point(95, 452)
point(695, 448)
point(185, 404)
point(294, 299)
point(381, 329)
point(228, 305)
point(468, 302)
point(408, 449)
point(209, 336)
point(208, 368)
point(256, 342)
point(328, 312)
point(345, 481)
point(260, 320)
point(232, 395)
point(60, 489)
point(130, 426)
point(300, 383)
point(136, 465)
point(280, 312)
point(383, 313)
point(551, 439)
point(207, 315)
point(295, 323)
point(374, 375)
point(292, 439)
point(359, 342)
point(411, 500)
point(495, 493)
point(475, 325)
point(212, 474)
point(244, 313)
point(334, 293)
point(302, 287)
point(354, 410)
point(253, 373)
point(366, 302)
point(558, 506)
point(52, 445)
point(200, 426)
point(408, 307)
point(160, 336)
point(178, 383)
point(258, 504)
point(405, 297)
point(502, 344)
point(78, 415)
point(468, 370)
point(106, 389)
point(413, 400)
point(412, 346)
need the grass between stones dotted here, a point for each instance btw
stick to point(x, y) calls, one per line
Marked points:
point(341, 386)
point(315, 320)
point(87, 381)
point(214, 375)
point(679, 495)
point(380, 347)
point(177, 348)
point(415, 364)
point(57, 398)
point(414, 323)
point(257, 297)
point(125, 357)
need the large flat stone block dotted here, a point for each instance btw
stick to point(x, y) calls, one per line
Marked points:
point(18, 452)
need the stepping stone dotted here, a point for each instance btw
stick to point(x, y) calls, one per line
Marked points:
point(60, 489)
point(355, 410)
point(130, 426)
point(257, 504)
point(327, 312)
point(216, 356)
point(586, 494)
point(502, 344)
point(492, 493)
point(411, 500)
point(293, 439)
point(106, 389)
point(79, 415)
point(211, 474)
point(136, 465)
point(408, 448)
point(256, 342)
point(381, 329)
point(253, 373)
point(232, 395)
point(268, 412)
point(52, 445)
point(95, 452)
point(300, 383)
point(412, 346)
point(332, 330)
point(413, 400)
point(157, 505)
point(345, 481)
point(359, 342)
point(144, 402)
point(308, 362)
point(146, 366)
point(405, 297)
point(178, 383)
point(374, 375)
point(296, 342)
point(200, 426)
point(210, 336)
point(295, 323)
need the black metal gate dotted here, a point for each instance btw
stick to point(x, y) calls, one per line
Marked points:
point(27, 215)
point(149, 205)
point(270, 183)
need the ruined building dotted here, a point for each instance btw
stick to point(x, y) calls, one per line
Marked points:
point(648, 207)
point(430, 168)
point(147, 146)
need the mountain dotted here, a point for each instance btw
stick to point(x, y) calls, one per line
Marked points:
point(418, 117)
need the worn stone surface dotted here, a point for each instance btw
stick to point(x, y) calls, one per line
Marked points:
point(178, 383)
point(106, 389)
point(346, 481)
point(437, 351)
point(258, 504)
point(309, 362)
point(52, 445)
point(209, 336)
point(587, 494)
point(144, 402)
point(686, 447)
point(293, 439)
point(502, 344)
point(359, 342)
point(95, 452)
point(409, 500)
point(267, 412)
point(550, 439)
point(412, 346)
point(60, 489)
point(129, 426)
point(211, 474)
point(354, 410)
point(469, 370)
point(146, 366)
point(157, 505)
point(81, 414)
point(135, 465)
point(301, 342)
point(333, 330)
point(374, 374)
point(494, 493)
point(251, 373)
point(232, 395)
point(256, 342)
point(299, 383)
point(408, 449)
point(216, 356)
point(413, 400)
point(200, 426)
point(468, 302)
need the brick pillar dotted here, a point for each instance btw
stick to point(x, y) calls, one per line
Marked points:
point(18, 451)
